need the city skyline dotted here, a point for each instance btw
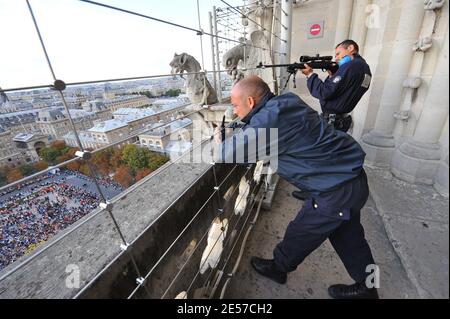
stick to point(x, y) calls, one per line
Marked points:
point(107, 44)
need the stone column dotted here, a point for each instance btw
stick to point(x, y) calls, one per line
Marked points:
point(377, 19)
point(252, 26)
point(379, 143)
point(358, 28)
point(286, 34)
point(345, 9)
point(414, 81)
point(265, 14)
point(441, 180)
point(417, 159)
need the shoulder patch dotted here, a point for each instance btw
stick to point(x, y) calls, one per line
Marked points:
point(337, 79)
point(366, 82)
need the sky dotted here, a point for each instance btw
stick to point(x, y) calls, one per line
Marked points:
point(87, 42)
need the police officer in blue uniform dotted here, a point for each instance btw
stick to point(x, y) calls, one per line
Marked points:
point(315, 157)
point(340, 92)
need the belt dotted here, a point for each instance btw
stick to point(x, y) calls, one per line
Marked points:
point(336, 116)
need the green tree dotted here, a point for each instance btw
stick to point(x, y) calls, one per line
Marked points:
point(27, 169)
point(49, 154)
point(147, 94)
point(116, 158)
point(173, 92)
point(156, 161)
point(135, 158)
point(65, 150)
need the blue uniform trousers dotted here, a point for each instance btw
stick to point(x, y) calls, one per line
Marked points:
point(334, 215)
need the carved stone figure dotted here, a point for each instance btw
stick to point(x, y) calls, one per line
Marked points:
point(412, 82)
point(232, 58)
point(433, 4)
point(253, 52)
point(198, 88)
point(3, 97)
point(423, 44)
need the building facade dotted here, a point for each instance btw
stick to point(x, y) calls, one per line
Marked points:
point(9, 154)
point(55, 122)
point(127, 101)
point(402, 121)
point(175, 137)
point(20, 149)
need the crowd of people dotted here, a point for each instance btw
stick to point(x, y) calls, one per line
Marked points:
point(36, 211)
point(105, 181)
point(25, 184)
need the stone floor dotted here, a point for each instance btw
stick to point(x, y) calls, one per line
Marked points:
point(323, 267)
point(416, 220)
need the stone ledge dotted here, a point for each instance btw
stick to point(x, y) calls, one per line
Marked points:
point(96, 243)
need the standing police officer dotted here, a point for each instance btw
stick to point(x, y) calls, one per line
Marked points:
point(341, 91)
point(315, 157)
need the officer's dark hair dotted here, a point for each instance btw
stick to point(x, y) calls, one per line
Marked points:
point(347, 43)
point(253, 86)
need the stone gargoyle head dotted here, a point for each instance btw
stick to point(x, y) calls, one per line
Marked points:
point(178, 63)
point(433, 4)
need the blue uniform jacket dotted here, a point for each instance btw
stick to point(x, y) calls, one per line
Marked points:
point(311, 154)
point(341, 92)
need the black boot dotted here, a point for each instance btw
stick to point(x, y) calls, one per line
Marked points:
point(355, 291)
point(267, 268)
point(299, 195)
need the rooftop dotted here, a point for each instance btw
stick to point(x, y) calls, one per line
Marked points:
point(109, 125)
point(25, 137)
point(133, 113)
point(84, 136)
point(155, 129)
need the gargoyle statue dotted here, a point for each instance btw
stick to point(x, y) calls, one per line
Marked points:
point(198, 88)
point(433, 4)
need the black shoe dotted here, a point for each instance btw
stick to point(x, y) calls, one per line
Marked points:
point(267, 268)
point(355, 291)
point(299, 195)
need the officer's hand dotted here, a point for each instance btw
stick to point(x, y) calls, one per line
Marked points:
point(307, 70)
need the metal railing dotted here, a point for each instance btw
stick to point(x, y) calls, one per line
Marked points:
point(106, 205)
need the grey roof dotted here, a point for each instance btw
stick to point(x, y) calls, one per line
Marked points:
point(155, 129)
point(83, 135)
point(25, 137)
point(107, 126)
point(127, 98)
point(131, 114)
point(51, 115)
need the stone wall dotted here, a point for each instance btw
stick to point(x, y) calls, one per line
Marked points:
point(151, 215)
point(402, 121)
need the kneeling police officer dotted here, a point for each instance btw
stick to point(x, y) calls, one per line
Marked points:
point(315, 157)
